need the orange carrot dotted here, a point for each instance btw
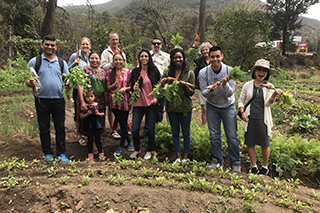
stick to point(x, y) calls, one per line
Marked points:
point(121, 48)
point(267, 86)
point(215, 85)
point(197, 36)
point(78, 53)
point(118, 78)
point(186, 83)
point(171, 79)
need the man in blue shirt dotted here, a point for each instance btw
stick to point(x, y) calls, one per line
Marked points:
point(50, 99)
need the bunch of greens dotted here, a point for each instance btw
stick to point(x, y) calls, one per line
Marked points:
point(176, 40)
point(157, 91)
point(193, 54)
point(135, 96)
point(172, 94)
point(304, 122)
point(286, 99)
point(77, 76)
point(117, 97)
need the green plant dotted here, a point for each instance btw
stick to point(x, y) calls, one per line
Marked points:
point(64, 179)
point(146, 171)
point(52, 171)
point(299, 206)
point(85, 180)
point(304, 122)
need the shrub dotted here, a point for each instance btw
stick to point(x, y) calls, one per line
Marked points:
point(304, 122)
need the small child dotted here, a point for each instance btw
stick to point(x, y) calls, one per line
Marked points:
point(92, 124)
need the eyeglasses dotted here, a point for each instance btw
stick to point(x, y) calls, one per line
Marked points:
point(52, 45)
point(156, 43)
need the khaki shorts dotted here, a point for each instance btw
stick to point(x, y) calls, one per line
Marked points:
point(201, 98)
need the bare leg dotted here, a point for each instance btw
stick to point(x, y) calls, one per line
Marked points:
point(179, 155)
point(252, 155)
point(265, 155)
point(185, 156)
point(203, 114)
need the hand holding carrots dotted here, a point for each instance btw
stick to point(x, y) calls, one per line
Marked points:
point(116, 84)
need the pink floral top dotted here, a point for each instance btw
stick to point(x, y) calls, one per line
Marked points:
point(124, 82)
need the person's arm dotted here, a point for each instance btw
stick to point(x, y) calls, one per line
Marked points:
point(101, 114)
point(84, 115)
point(189, 90)
point(112, 86)
point(73, 61)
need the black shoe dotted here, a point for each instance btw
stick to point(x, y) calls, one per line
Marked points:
point(144, 134)
point(254, 170)
point(263, 171)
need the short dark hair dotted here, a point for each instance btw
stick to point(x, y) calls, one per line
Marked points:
point(253, 76)
point(112, 33)
point(90, 89)
point(215, 48)
point(94, 52)
point(48, 38)
point(156, 38)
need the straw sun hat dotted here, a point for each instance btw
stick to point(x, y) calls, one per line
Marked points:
point(263, 63)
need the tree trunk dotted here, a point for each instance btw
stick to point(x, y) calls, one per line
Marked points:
point(202, 20)
point(47, 23)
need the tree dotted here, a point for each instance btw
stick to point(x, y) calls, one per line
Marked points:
point(285, 14)
point(237, 29)
point(202, 20)
point(47, 23)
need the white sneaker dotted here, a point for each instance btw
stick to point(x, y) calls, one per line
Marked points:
point(147, 156)
point(178, 160)
point(184, 161)
point(134, 155)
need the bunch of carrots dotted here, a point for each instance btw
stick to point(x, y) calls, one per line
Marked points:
point(234, 73)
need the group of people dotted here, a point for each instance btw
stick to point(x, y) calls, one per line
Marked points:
point(109, 77)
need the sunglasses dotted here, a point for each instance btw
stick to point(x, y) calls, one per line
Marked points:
point(156, 43)
point(52, 45)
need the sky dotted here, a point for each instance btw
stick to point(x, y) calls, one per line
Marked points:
point(313, 11)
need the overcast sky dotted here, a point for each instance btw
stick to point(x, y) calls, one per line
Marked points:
point(312, 13)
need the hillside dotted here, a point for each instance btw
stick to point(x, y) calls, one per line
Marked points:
point(115, 6)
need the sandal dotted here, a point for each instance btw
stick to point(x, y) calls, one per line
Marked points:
point(82, 141)
point(115, 135)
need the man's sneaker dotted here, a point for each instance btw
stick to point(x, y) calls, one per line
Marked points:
point(144, 134)
point(213, 166)
point(62, 157)
point(263, 171)
point(134, 155)
point(254, 170)
point(90, 156)
point(49, 157)
point(118, 151)
point(147, 156)
point(130, 147)
point(236, 168)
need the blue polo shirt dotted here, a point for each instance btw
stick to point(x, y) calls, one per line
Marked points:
point(50, 77)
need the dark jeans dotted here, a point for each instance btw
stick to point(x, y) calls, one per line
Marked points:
point(75, 97)
point(137, 115)
point(159, 116)
point(122, 118)
point(97, 139)
point(56, 108)
point(177, 120)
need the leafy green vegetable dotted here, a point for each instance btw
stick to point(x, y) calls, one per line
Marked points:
point(77, 76)
point(176, 40)
point(304, 122)
point(236, 73)
point(157, 91)
point(135, 96)
point(193, 54)
point(117, 97)
point(286, 99)
point(172, 94)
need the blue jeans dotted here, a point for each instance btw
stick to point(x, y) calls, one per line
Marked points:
point(56, 108)
point(177, 119)
point(122, 118)
point(229, 120)
point(160, 112)
point(137, 115)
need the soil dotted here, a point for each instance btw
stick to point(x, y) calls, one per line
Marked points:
point(50, 194)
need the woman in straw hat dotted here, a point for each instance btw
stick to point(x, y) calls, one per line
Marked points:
point(254, 105)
